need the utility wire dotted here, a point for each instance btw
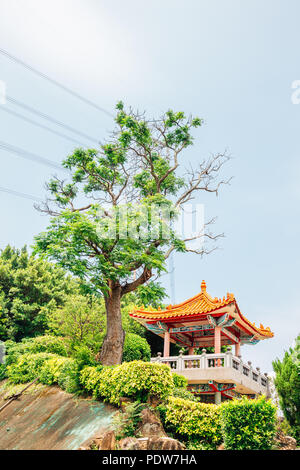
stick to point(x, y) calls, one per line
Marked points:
point(29, 156)
point(49, 118)
point(21, 116)
point(54, 82)
point(17, 193)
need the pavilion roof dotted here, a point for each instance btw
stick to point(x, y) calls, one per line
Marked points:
point(198, 307)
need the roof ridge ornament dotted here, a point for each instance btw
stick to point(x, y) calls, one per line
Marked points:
point(203, 286)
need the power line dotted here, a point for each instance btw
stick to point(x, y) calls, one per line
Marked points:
point(49, 118)
point(54, 82)
point(20, 116)
point(29, 156)
point(23, 195)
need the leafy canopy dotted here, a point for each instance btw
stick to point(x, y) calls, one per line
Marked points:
point(136, 169)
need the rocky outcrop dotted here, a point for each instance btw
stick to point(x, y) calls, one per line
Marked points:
point(108, 441)
point(283, 442)
point(150, 425)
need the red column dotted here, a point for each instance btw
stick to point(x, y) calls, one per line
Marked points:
point(237, 348)
point(217, 343)
point(191, 351)
point(166, 344)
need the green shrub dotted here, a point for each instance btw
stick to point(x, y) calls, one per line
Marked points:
point(47, 344)
point(50, 370)
point(248, 424)
point(137, 380)
point(90, 378)
point(136, 348)
point(185, 394)
point(27, 367)
point(194, 420)
point(179, 381)
point(126, 422)
point(68, 378)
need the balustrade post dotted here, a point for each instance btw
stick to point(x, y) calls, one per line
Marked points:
point(228, 359)
point(203, 360)
point(180, 362)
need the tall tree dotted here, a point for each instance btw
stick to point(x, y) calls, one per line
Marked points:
point(138, 168)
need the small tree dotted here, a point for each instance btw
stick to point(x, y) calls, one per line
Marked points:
point(136, 169)
point(287, 383)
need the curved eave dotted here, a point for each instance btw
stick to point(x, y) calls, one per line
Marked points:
point(177, 314)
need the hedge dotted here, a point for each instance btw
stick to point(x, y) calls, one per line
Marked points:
point(248, 424)
point(191, 419)
point(137, 380)
point(240, 424)
point(48, 368)
point(47, 344)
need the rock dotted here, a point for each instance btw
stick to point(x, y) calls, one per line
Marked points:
point(108, 441)
point(128, 443)
point(150, 425)
point(96, 443)
point(221, 447)
point(164, 443)
point(283, 442)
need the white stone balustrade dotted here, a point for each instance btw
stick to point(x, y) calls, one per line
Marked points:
point(224, 367)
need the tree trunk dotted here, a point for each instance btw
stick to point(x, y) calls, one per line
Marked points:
point(112, 348)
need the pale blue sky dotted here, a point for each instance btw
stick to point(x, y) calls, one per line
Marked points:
point(232, 62)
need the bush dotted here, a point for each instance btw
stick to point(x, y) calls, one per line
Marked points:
point(90, 378)
point(27, 367)
point(194, 420)
point(68, 378)
point(135, 348)
point(47, 344)
point(179, 381)
point(137, 380)
point(185, 394)
point(50, 371)
point(248, 424)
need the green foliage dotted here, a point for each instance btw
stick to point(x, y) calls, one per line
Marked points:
point(47, 343)
point(28, 367)
point(185, 394)
point(135, 348)
point(81, 320)
point(137, 380)
point(179, 381)
point(287, 383)
point(49, 368)
point(126, 422)
point(68, 378)
point(3, 372)
point(196, 444)
point(90, 379)
point(30, 289)
point(248, 424)
point(194, 420)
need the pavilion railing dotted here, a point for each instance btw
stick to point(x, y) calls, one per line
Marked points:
point(207, 361)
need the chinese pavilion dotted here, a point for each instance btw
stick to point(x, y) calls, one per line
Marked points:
point(201, 322)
